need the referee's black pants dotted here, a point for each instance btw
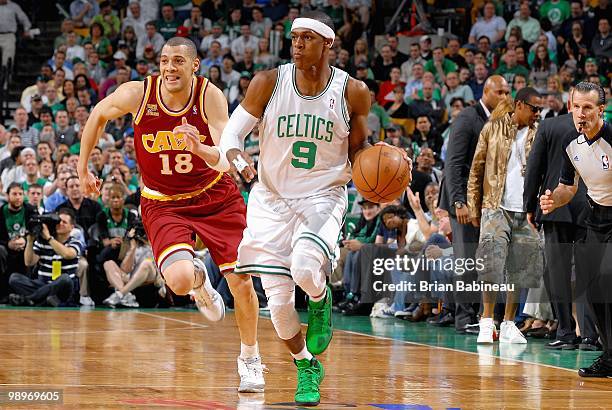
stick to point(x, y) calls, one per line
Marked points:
point(594, 262)
point(559, 250)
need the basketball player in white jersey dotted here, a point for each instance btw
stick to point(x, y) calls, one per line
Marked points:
point(313, 122)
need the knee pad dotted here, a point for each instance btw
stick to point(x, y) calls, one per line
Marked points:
point(281, 301)
point(307, 267)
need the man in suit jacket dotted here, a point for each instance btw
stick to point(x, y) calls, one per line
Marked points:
point(555, 106)
point(453, 195)
point(561, 229)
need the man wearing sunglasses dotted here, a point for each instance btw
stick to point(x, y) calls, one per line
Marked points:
point(509, 247)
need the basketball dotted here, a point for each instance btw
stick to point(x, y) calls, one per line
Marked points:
point(381, 174)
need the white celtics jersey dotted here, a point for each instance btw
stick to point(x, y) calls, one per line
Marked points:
point(303, 140)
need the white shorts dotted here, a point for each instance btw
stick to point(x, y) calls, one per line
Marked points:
point(275, 224)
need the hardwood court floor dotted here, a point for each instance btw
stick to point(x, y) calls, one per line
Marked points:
point(173, 359)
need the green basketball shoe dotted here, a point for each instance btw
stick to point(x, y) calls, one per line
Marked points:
point(319, 332)
point(310, 374)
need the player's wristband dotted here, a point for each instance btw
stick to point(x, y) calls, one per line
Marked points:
point(240, 163)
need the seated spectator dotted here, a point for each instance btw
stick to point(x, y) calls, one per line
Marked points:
point(363, 233)
point(135, 19)
point(395, 137)
point(602, 42)
point(73, 48)
point(113, 222)
point(591, 68)
point(414, 58)
point(265, 60)
point(56, 192)
point(66, 27)
point(490, 25)
point(440, 66)
point(248, 62)
point(510, 67)
point(229, 76)
point(477, 83)
point(101, 44)
point(416, 81)
point(425, 45)
point(260, 25)
point(17, 173)
point(35, 198)
point(555, 106)
point(398, 107)
point(530, 27)
point(168, 24)
point(237, 93)
point(246, 40)
point(576, 47)
point(213, 57)
point(83, 11)
point(197, 25)
point(153, 40)
point(214, 76)
point(32, 176)
point(542, 68)
point(453, 89)
point(47, 252)
point(520, 81)
point(428, 106)
point(13, 219)
point(65, 132)
point(385, 92)
point(425, 135)
point(490, 57)
point(386, 63)
point(425, 163)
point(137, 269)
point(86, 210)
point(29, 135)
point(216, 34)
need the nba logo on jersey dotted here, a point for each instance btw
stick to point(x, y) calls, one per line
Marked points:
point(605, 162)
point(332, 103)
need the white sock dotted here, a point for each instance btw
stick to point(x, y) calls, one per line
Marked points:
point(485, 319)
point(319, 298)
point(248, 352)
point(304, 354)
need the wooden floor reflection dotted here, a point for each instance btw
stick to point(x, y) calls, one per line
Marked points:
point(162, 359)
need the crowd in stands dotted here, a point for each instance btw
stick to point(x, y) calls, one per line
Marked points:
point(95, 250)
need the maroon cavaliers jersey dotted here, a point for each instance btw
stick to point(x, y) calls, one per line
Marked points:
point(165, 164)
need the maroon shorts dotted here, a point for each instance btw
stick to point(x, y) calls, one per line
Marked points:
point(217, 216)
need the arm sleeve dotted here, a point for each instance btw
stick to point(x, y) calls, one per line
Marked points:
point(536, 169)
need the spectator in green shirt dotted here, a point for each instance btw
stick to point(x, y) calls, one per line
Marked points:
point(556, 11)
point(109, 22)
point(440, 65)
point(509, 67)
point(167, 25)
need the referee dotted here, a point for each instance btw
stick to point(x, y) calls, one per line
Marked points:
point(588, 156)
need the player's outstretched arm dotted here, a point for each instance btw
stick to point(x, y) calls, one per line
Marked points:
point(242, 121)
point(358, 98)
point(125, 99)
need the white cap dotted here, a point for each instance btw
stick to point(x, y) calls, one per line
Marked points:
point(119, 55)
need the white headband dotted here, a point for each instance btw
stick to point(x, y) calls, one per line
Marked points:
point(314, 25)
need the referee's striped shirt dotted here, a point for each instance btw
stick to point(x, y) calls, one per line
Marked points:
point(48, 255)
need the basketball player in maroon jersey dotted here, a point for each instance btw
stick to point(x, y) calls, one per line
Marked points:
point(182, 194)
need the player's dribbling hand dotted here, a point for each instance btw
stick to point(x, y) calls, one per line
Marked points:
point(242, 163)
point(90, 184)
point(547, 202)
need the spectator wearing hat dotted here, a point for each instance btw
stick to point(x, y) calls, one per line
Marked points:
point(216, 34)
point(152, 38)
point(135, 19)
point(142, 70)
point(363, 72)
point(237, 92)
point(602, 42)
point(425, 45)
point(29, 135)
point(38, 88)
point(36, 106)
point(395, 136)
point(167, 25)
point(110, 22)
point(591, 68)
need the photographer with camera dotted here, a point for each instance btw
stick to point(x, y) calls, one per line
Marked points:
point(13, 217)
point(137, 269)
point(55, 252)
